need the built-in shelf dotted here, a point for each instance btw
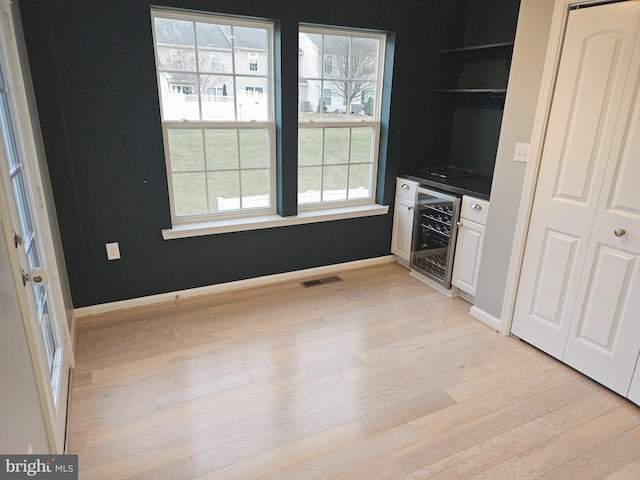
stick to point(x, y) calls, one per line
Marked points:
point(480, 65)
point(475, 92)
point(490, 51)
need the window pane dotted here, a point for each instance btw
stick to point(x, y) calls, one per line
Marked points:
point(217, 97)
point(364, 58)
point(175, 44)
point(309, 184)
point(336, 56)
point(336, 145)
point(255, 188)
point(252, 99)
point(185, 149)
point(222, 148)
point(311, 106)
point(310, 146)
point(360, 181)
point(254, 149)
point(224, 191)
point(251, 50)
point(214, 48)
point(189, 193)
point(179, 94)
point(335, 183)
point(362, 144)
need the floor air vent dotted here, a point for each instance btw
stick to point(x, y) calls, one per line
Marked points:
point(320, 281)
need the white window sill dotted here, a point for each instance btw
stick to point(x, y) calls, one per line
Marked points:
point(271, 221)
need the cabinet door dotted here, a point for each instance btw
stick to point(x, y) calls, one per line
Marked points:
point(467, 259)
point(402, 228)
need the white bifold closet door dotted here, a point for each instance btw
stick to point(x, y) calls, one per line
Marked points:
point(579, 293)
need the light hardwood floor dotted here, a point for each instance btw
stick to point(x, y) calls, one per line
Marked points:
point(377, 377)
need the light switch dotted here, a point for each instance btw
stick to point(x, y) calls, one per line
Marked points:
point(521, 153)
point(113, 251)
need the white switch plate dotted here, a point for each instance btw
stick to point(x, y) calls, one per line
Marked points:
point(521, 153)
point(113, 251)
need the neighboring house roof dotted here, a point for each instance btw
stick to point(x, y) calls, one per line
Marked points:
point(180, 32)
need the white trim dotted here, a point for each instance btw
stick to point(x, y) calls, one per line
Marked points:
point(229, 286)
point(489, 320)
point(244, 224)
point(552, 62)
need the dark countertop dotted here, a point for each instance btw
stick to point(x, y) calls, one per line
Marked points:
point(478, 186)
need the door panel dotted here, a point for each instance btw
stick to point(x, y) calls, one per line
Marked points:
point(579, 156)
point(549, 298)
point(591, 89)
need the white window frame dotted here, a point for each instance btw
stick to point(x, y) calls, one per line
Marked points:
point(196, 17)
point(375, 123)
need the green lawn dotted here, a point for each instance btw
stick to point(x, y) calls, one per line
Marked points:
point(209, 160)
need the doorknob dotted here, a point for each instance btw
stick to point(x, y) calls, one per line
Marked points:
point(619, 232)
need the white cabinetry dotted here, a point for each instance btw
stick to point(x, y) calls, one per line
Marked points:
point(473, 219)
point(403, 219)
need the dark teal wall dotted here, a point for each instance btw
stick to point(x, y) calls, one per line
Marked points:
point(93, 70)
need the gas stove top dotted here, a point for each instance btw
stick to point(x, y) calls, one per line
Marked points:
point(445, 172)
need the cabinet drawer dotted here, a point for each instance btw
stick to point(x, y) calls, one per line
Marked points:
point(406, 188)
point(474, 209)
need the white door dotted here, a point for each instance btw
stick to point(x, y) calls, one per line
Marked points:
point(23, 220)
point(402, 228)
point(468, 253)
point(604, 337)
point(570, 256)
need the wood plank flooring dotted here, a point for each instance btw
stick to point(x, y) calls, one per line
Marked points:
point(375, 377)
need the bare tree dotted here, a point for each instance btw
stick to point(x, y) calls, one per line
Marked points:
point(352, 62)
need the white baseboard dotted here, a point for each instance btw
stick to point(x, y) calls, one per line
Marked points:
point(486, 318)
point(229, 286)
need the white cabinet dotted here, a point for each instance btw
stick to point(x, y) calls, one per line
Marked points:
point(466, 265)
point(403, 219)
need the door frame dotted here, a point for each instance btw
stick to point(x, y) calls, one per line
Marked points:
point(24, 130)
point(543, 110)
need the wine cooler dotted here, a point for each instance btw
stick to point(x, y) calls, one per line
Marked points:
point(434, 234)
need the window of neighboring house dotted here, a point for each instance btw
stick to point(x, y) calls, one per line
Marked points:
point(338, 147)
point(253, 62)
point(220, 149)
point(326, 96)
point(215, 62)
point(176, 59)
point(328, 65)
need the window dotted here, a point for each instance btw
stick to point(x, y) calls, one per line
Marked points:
point(253, 62)
point(217, 114)
point(339, 115)
point(326, 97)
point(215, 62)
point(216, 84)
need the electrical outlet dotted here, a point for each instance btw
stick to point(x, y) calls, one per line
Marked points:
point(113, 251)
point(521, 153)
